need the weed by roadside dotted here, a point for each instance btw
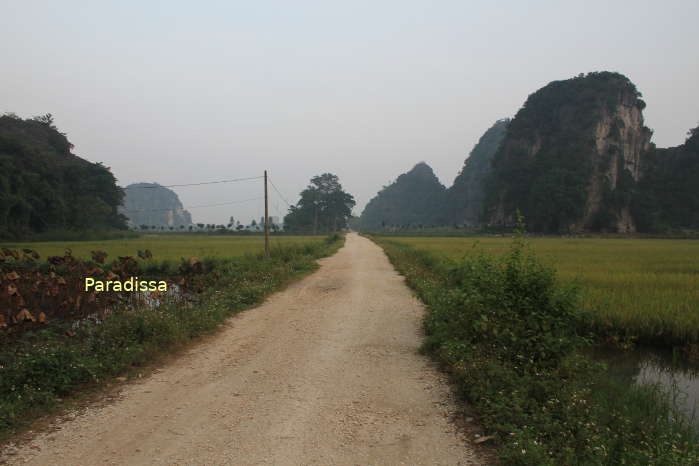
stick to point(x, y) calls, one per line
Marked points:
point(510, 334)
point(45, 365)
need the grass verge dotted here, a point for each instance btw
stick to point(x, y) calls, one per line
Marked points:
point(44, 366)
point(510, 335)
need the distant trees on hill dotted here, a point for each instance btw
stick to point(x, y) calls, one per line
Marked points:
point(324, 207)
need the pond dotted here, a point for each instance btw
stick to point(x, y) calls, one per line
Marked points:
point(664, 369)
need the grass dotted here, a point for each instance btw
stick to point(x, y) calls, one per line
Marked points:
point(642, 289)
point(43, 366)
point(509, 332)
point(169, 247)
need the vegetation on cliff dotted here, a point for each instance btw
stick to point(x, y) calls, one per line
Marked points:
point(466, 196)
point(44, 187)
point(667, 197)
point(569, 156)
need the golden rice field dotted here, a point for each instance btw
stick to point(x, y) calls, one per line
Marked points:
point(648, 287)
point(168, 246)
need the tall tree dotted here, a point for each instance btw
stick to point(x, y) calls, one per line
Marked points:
point(323, 207)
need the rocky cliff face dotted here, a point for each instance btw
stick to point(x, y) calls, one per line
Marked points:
point(466, 196)
point(415, 199)
point(153, 205)
point(571, 157)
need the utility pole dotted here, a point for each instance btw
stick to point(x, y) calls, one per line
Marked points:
point(266, 220)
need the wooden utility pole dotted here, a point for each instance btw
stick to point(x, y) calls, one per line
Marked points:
point(266, 219)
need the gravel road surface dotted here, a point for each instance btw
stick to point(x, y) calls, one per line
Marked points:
point(325, 372)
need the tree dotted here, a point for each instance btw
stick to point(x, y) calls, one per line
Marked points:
point(323, 206)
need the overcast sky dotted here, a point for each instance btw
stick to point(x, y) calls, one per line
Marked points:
point(178, 92)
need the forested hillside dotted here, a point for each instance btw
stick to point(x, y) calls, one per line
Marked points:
point(571, 157)
point(414, 200)
point(667, 196)
point(466, 196)
point(44, 187)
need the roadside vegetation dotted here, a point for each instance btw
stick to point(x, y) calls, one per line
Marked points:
point(633, 290)
point(78, 339)
point(513, 335)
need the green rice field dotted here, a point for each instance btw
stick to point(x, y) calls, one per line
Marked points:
point(169, 246)
point(646, 288)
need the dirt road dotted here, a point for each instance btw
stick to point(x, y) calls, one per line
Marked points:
point(325, 372)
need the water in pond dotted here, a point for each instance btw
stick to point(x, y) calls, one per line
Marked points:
point(651, 367)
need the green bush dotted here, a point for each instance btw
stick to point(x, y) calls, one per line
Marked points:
point(509, 333)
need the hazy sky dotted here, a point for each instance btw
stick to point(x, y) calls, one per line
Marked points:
point(178, 92)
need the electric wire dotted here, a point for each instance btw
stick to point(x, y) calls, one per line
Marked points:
point(198, 206)
point(279, 193)
point(233, 180)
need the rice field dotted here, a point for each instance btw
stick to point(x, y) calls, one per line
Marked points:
point(646, 288)
point(168, 247)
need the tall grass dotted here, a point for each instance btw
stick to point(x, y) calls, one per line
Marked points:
point(642, 289)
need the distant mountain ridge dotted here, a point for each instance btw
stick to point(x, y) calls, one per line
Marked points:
point(153, 205)
point(576, 157)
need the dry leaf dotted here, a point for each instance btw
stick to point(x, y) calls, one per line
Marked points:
point(42, 318)
point(11, 289)
point(24, 314)
point(12, 275)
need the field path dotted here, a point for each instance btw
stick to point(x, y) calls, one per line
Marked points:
point(325, 372)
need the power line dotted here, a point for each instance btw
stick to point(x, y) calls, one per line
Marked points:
point(196, 184)
point(198, 206)
point(280, 194)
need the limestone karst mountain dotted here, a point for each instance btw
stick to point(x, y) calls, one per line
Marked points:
point(576, 157)
point(667, 197)
point(571, 157)
point(153, 205)
point(466, 196)
point(415, 199)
